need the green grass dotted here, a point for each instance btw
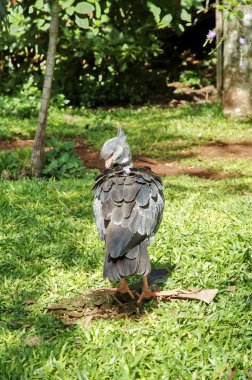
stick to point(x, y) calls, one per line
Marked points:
point(49, 249)
point(160, 133)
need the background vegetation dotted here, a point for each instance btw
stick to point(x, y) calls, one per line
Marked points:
point(119, 53)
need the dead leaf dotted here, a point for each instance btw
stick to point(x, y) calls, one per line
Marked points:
point(220, 373)
point(29, 302)
point(201, 295)
point(32, 341)
point(88, 320)
point(174, 312)
point(231, 373)
point(26, 326)
point(231, 288)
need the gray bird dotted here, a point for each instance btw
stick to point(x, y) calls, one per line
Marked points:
point(128, 207)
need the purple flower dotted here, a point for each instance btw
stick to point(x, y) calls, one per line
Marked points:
point(242, 41)
point(242, 64)
point(211, 34)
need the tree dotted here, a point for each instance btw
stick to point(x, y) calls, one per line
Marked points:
point(237, 66)
point(234, 56)
point(39, 141)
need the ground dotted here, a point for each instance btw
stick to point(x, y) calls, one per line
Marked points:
point(92, 160)
point(50, 250)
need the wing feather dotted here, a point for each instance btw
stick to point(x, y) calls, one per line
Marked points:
point(128, 208)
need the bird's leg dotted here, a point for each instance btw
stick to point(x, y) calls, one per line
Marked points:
point(123, 288)
point(146, 292)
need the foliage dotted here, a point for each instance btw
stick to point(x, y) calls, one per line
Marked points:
point(62, 162)
point(103, 55)
point(26, 103)
point(14, 162)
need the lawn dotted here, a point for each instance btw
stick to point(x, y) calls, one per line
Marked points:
point(50, 249)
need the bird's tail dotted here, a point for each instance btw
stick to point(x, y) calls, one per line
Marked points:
point(136, 261)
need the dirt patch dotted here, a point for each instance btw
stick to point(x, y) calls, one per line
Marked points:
point(225, 149)
point(171, 169)
point(15, 144)
point(92, 159)
point(88, 155)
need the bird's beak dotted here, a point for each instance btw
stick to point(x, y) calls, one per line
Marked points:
point(108, 162)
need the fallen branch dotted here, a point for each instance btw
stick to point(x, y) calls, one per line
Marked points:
point(206, 295)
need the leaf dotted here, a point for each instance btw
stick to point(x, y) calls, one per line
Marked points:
point(181, 27)
point(82, 22)
point(240, 14)
point(105, 18)
point(166, 21)
point(185, 16)
point(231, 373)
point(70, 11)
point(98, 59)
point(154, 10)
point(231, 288)
point(39, 4)
point(29, 302)
point(206, 295)
point(84, 8)
point(97, 10)
point(32, 341)
point(65, 4)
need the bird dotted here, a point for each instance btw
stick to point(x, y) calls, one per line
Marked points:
point(128, 206)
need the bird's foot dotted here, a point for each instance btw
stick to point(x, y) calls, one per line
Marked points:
point(122, 289)
point(146, 294)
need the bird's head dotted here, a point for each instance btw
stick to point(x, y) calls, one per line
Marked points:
point(116, 151)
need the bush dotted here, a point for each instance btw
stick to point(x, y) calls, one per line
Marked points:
point(13, 163)
point(62, 162)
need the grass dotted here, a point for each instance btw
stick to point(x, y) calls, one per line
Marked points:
point(49, 249)
point(161, 133)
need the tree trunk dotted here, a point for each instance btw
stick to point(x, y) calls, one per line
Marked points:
point(39, 141)
point(219, 48)
point(237, 65)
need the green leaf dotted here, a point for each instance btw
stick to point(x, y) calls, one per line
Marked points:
point(82, 22)
point(240, 14)
point(95, 31)
point(154, 10)
point(181, 27)
point(98, 59)
point(105, 18)
point(65, 4)
point(166, 21)
point(185, 16)
point(97, 10)
point(39, 4)
point(84, 8)
point(70, 11)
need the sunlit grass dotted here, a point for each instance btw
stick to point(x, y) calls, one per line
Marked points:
point(49, 249)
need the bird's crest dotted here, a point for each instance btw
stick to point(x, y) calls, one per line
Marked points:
point(121, 135)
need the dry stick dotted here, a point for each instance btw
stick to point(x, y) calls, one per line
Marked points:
point(205, 295)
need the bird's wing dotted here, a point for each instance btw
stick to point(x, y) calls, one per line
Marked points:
point(128, 207)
